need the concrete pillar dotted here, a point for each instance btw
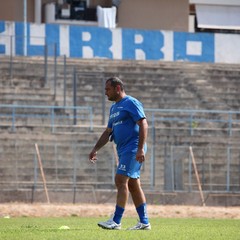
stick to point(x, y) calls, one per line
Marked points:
point(50, 13)
point(38, 11)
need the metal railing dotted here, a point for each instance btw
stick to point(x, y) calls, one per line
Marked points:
point(189, 119)
point(49, 116)
point(169, 166)
point(195, 120)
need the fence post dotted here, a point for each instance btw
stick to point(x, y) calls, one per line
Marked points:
point(189, 173)
point(91, 118)
point(228, 168)
point(46, 63)
point(13, 119)
point(35, 176)
point(153, 152)
point(230, 124)
point(75, 160)
point(52, 119)
point(103, 102)
point(11, 59)
point(74, 96)
point(191, 124)
point(172, 167)
point(55, 70)
point(65, 74)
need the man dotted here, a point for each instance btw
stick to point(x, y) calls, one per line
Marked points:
point(127, 126)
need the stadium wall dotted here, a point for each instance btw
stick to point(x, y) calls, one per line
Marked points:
point(124, 44)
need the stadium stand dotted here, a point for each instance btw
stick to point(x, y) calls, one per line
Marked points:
point(159, 85)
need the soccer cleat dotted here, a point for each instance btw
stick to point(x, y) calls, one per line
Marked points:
point(141, 226)
point(110, 224)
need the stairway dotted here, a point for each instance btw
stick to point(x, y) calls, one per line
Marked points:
point(159, 85)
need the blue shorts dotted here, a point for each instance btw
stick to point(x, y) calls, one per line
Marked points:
point(128, 165)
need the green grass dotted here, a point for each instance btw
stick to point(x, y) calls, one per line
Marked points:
point(26, 228)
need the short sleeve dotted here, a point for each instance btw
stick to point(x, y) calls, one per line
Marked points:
point(135, 108)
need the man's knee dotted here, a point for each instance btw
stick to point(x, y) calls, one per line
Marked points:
point(121, 181)
point(134, 185)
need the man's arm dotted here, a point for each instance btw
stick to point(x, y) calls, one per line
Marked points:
point(143, 131)
point(100, 143)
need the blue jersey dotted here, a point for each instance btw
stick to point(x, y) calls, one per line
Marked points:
point(123, 122)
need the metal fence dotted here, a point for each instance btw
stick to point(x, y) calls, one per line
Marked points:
point(45, 66)
point(213, 135)
point(168, 166)
point(52, 117)
point(193, 120)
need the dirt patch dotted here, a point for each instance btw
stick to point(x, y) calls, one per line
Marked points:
point(100, 210)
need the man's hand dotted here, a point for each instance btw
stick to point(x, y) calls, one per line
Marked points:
point(93, 156)
point(140, 156)
point(100, 143)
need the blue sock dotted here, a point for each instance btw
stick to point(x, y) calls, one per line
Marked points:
point(118, 214)
point(142, 213)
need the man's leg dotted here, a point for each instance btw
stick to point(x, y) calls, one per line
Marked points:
point(139, 199)
point(136, 191)
point(121, 182)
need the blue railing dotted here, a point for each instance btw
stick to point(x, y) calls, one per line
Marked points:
point(175, 156)
point(69, 115)
point(53, 115)
point(195, 117)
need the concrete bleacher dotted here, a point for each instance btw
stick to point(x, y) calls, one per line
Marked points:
point(25, 95)
point(164, 85)
point(160, 84)
point(60, 153)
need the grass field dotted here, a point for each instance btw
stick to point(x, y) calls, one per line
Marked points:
point(26, 228)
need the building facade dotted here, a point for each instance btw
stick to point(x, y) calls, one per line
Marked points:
point(150, 14)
